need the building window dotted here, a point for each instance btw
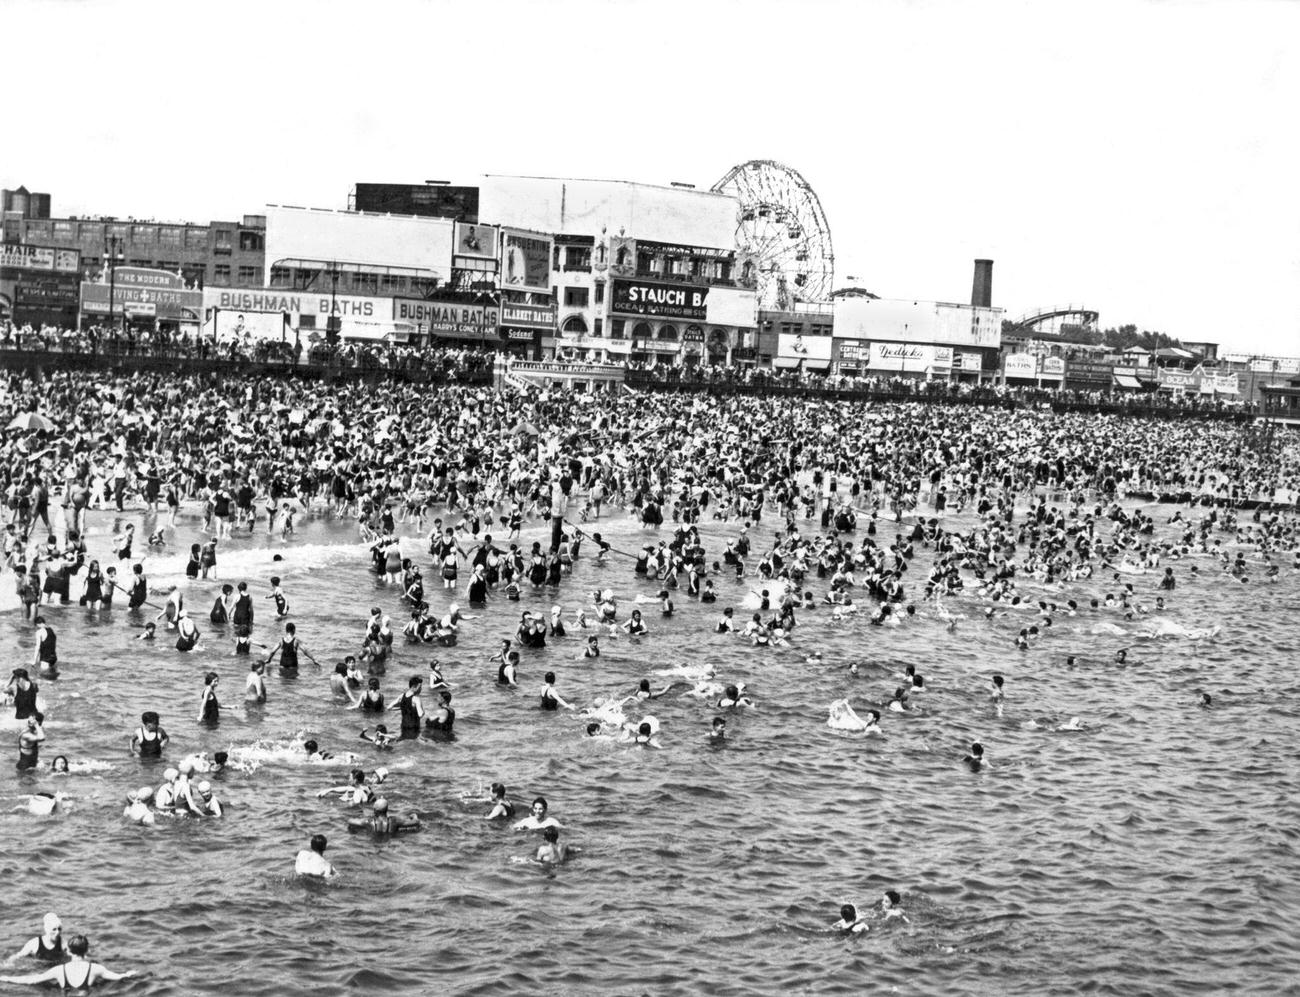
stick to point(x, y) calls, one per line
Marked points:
point(600, 292)
point(600, 328)
point(221, 272)
point(142, 263)
point(248, 275)
point(574, 324)
point(281, 277)
point(196, 238)
point(251, 242)
point(63, 229)
point(196, 273)
point(641, 330)
point(367, 282)
point(144, 233)
point(575, 297)
point(169, 235)
point(577, 258)
point(668, 332)
point(170, 265)
point(615, 328)
point(223, 238)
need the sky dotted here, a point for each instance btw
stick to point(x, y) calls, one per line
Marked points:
point(1138, 158)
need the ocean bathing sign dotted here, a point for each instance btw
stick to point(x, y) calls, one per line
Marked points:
point(643, 297)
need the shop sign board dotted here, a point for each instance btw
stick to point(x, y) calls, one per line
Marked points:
point(523, 316)
point(46, 258)
point(668, 300)
point(447, 318)
point(1020, 365)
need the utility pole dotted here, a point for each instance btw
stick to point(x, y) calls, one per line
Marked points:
point(112, 275)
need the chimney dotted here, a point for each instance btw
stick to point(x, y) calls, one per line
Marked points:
point(981, 292)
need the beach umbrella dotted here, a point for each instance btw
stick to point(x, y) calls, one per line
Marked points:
point(525, 429)
point(32, 422)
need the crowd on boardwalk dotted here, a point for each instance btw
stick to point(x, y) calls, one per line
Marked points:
point(810, 479)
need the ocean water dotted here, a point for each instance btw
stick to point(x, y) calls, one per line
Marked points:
point(1153, 852)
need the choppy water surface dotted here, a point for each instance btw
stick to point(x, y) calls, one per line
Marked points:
point(1155, 852)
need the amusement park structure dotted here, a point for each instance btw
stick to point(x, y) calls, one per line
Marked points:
point(1056, 321)
point(781, 221)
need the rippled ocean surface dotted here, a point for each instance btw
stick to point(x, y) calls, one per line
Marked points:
point(1154, 852)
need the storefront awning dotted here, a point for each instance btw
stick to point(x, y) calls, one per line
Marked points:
point(785, 363)
point(817, 366)
point(1128, 381)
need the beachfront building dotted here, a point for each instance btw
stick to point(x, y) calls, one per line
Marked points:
point(47, 260)
point(636, 272)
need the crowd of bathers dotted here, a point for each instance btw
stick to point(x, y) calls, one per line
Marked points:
point(820, 473)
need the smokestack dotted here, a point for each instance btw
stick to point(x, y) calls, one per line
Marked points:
point(981, 292)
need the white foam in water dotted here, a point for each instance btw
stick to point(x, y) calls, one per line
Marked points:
point(235, 566)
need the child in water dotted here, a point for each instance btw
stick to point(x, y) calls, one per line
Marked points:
point(281, 603)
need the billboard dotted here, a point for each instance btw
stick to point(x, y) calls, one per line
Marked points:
point(478, 241)
point(140, 291)
point(917, 322)
point(1053, 367)
point(224, 326)
point(447, 318)
point(526, 261)
point(796, 347)
point(521, 316)
point(1020, 365)
point(732, 306)
point(45, 258)
point(665, 300)
point(297, 303)
point(46, 299)
point(356, 237)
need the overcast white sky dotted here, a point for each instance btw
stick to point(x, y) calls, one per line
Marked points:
point(1140, 158)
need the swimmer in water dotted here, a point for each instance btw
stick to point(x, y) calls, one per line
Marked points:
point(381, 824)
point(975, 760)
point(891, 906)
point(551, 851)
point(29, 742)
point(311, 862)
point(1121, 656)
point(537, 819)
point(47, 947)
point(380, 738)
point(849, 922)
point(356, 793)
point(500, 808)
point(1207, 701)
point(644, 692)
point(137, 806)
point(733, 697)
point(78, 973)
point(996, 693)
point(719, 732)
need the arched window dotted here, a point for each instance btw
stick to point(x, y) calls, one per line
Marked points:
point(641, 330)
point(575, 324)
point(668, 332)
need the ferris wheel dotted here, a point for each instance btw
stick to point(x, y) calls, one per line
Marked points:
point(782, 224)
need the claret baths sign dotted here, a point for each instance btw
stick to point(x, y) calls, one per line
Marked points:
point(643, 297)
